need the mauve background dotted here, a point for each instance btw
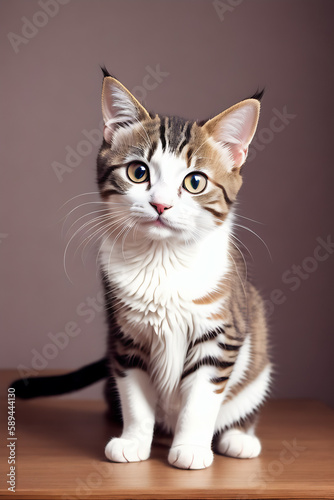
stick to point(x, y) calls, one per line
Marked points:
point(50, 93)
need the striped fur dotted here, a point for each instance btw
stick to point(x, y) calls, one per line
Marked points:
point(187, 332)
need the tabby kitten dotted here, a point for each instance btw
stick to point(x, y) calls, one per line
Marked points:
point(187, 332)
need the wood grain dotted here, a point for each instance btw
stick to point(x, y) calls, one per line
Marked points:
point(60, 445)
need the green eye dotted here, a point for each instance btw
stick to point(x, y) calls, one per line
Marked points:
point(137, 172)
point(195, 183)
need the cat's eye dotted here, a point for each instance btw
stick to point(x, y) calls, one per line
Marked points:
point(195, 183)
point(137, 172)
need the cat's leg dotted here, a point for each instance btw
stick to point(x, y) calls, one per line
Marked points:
point(111, 396)
point(239, 440)
point(237, 417)
point(138, 402)
point(191, 448)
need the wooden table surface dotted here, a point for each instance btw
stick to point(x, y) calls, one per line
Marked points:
point(60, 443)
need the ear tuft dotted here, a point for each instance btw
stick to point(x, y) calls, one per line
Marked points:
point(258, 95)
point(235, 128)
point(105, 71)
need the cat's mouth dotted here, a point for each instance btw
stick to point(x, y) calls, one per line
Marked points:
point(160, 223)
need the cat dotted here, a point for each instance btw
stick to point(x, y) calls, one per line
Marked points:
point(187, 340)
point(187, 332)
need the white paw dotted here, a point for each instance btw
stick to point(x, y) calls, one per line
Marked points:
point(127, 450)
point(237, 444)
point(190, 457)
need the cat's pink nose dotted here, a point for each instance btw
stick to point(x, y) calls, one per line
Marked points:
point(160, 208)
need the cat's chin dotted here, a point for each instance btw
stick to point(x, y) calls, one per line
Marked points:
point(159, 230)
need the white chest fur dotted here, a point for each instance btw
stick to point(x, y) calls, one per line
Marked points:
point(156, 284)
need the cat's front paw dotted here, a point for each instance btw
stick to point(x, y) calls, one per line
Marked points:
point(190, 457)
point(237, 444)
point(127, 450)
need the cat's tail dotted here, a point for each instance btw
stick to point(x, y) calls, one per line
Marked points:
point(33, 387)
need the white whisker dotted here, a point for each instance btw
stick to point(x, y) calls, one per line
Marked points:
point(253, 220)
point(242, 256)
point(243, 244)
point(255, 234)
point(240, 279)
point(91, 237)
point(78, 196)
point(83, 216)
point(124, 237)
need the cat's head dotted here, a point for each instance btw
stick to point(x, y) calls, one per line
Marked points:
point(166, 177)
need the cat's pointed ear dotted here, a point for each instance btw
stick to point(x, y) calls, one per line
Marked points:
point(235, 128)
point(119, 107)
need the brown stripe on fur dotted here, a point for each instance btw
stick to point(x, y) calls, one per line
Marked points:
point(189, 153)
point(185, 136)
point(231, 356)
point(232, 353)
point(219, 215)
point(218, 380)
point(215, 317)
point(221, 315)
point(246, 423)
point(208, 198)
point(221, 290)
point(212, 335)
point(126, 362)
point(258, 341)
point(125, 343)
point(151, 151)
point(221, 388)
point(109, 167)
point(116, 181)
point(226, 197)
point(233, 335)
point(163, 132)
point(209, 361)
point(229, 347)
point(234, 338)
point(214, 202)
point(109, 192)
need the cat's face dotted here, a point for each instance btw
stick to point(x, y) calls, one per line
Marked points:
point(165, 177)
